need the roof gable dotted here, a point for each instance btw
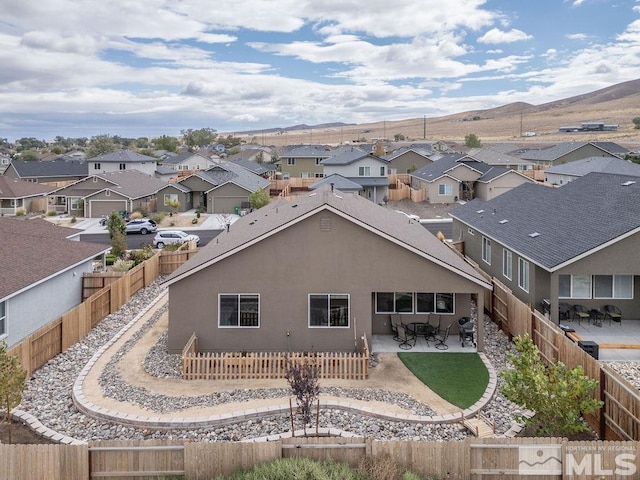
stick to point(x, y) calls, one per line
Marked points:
point(277, 216)
point(15, 188)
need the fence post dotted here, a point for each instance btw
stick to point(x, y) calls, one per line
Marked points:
point(603, 411)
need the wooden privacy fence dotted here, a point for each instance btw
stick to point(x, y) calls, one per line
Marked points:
point(619, 418)
point(58, 335)
point(503, 458)
point(254, 365)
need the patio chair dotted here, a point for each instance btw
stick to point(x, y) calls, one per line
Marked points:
point(580, 313)
point(406, 338)
point(395, 322)
point(441, 339)
point(564, 311)
point(613, 313)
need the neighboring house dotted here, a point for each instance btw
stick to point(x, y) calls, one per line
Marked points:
point(496, 158)
point(224, 188)
point(54, 172)
point(576, 244)
point(456, 177)
point(165, 173)
point(5, 160)
point(265, 170)
point(122, 160)
point(565, 173)
point(570, 151)
point(188, 162)
point(19, 194)
point(303, 162)
point(100, 194)
point(255, 155)
point(41, 274)
point(172, 192)
point(338, 182)
point(317, 273)
point(408, 159)
point(363, 168)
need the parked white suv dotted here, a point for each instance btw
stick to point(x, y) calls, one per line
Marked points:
point(165, 237)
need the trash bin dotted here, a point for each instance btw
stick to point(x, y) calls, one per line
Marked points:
point(236, 210)
point(590, 347)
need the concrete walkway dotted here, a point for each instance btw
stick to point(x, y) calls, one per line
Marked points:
point(389, 374)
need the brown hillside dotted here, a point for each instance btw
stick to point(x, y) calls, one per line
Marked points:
point(617, 105)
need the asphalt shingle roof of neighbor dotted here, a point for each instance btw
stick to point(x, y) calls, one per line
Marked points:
point(15, 188)
point(350, 156)
point(132, 183)
point(166, 170)
point(402, 150)
point(556, 151)
point(570, 221)
point(491, 156)
point(596, 164)
point(311, 151)
point(440, 167)
point(280, 214)
point(51, 168)
point(339, 183)
point(176, 159)
point(254, 167)
point(370, 181)
point(123, 156)
point(35, 249)
point(230, 172)
point(493, 173)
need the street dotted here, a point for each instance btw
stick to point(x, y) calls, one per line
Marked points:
point(137, 241)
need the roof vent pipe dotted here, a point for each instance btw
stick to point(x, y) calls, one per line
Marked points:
point(332, 186)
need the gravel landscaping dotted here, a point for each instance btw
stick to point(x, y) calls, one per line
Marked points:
point(48, 394)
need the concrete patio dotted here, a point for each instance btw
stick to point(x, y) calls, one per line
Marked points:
point(386, 343)
point(625, 335)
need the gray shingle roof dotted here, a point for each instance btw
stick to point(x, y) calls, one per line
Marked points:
point(123, 156)
point(230, 172)
point(339, 183)
point(571, 221)
point(263, 222)
point(33, 250)
point(579, 168)
point(51, 168)
point(492, 156)
point(15, 188)
point(425, 152)
point(350, 156)
point(132, 183)
point(254, 167)
point(440, 167)
point(553, 152)
point(176, 159)
point(311, 151)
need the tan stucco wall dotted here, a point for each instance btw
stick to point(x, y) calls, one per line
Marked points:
point(408, 160)
point(285, 268)
point(487, 191)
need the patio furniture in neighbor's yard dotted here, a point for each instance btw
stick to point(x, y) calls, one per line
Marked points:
point(395, 321)
point(596, 316)
point(580, 313)
point(406, 338)
point(441, 339)
point(423, 329)
point(613, 313)
point(564, 311)
point(467, 331)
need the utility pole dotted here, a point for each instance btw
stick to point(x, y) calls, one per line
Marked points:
point(424, 128)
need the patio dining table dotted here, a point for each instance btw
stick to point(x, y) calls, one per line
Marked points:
point(424, 329)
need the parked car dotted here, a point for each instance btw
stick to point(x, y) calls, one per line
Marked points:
point(165, 237)
point(141, 225)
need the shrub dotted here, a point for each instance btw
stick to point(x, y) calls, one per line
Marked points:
point(381, 467)
point(136, 215)
point(21, 212)
point(51, 213)
point(121, 265)
point(110, 259)
point(158, 216)
point(198, 213)
point(74, 219)
point(194, 221)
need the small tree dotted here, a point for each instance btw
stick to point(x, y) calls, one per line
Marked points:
point(174, 203)
point(12, 383)
point(259, 198)
point(636, 122)
point(472, 141)
point(559, 396)
point(117, 234)
point(303, 380)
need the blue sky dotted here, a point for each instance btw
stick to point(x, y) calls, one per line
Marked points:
point(156, 67)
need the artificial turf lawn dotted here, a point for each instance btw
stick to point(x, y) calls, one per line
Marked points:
point(459, 378)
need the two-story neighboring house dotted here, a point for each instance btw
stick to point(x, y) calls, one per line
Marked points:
point(408, 159)
point(363, 168)
point(304, 162)
point(576, 244)
point(53, 172)
point(188, 162)
point(122, 160)
point(5, 160)
point(570, 151)
point(454, 177)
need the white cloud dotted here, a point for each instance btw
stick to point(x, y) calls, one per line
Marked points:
point(576, 36)
point(499, 36)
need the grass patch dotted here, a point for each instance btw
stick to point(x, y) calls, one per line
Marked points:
point(459, 378)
